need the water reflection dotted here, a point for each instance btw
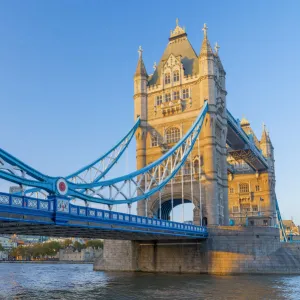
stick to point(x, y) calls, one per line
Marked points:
point(53, 281)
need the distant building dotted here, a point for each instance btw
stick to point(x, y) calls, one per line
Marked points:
point(291, 230)
point(88, 254)
point(7, 243)
point(3, 255)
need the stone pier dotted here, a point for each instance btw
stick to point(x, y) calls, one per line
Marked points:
point(228, 250)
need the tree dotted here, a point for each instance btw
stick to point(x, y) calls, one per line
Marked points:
point(78, 246)
point(67, 243)
point(1, 247)
point(96, 244)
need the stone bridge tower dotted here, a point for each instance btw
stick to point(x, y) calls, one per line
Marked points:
point(168, 101)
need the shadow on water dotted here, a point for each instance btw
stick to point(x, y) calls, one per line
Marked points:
point(65, 281)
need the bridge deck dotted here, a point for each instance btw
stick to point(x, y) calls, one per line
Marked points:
point(57, 217)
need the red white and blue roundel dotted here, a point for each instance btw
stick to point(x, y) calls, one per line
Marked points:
point(62, 186)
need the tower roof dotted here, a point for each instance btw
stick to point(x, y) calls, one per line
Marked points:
point(244, 122)
point(140, 68)
point(178, 45)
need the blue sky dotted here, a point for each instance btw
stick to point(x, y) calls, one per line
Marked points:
point(66, 70)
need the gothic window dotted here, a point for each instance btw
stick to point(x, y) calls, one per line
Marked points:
point(244, 188)
point(187, 168)
point(154, 141)
point(167, 97)
point(254, 208)
point(257, 188)
point(196, 166)
point(176, 76)
point(172, 135)
point(245, 207)
point(159, 100)
point(231, 190)
point(185, 93)
point(235, 209)
point(167, 78)
point(176, 95)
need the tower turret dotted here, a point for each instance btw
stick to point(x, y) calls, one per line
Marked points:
point(140, 88)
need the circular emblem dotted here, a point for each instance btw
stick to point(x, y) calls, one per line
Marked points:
point(62, 186)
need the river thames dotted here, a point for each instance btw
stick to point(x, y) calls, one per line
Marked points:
point(75, 281)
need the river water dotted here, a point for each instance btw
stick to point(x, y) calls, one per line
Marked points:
point(75, 281)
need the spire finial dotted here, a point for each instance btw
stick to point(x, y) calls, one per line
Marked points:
point(177, 21)
point(140, 51)
point(264, 127)
point(204, 29)
point(217, 47)
point(154, 66)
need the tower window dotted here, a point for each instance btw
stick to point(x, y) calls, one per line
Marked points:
point(167, 97)
point(176, 95)
point(257, 188)
point(196, 166)
point(176, 76)
point(231, 190)
point(167, 78)
point(187, 168)
point(172, 135)
point(185, 93)
point(244, 188)
point(254, 208)
point(235, 209)
point(159, 100)
point(154, 141)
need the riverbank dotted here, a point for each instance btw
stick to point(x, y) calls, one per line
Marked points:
point(46, 262)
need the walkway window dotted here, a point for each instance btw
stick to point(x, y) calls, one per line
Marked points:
point(244, 188)
point(176, 76)
point(172, 135)
point(159, 100)
point(167, 78)
point(176, 95)
point(185, 93)
point(167, 97)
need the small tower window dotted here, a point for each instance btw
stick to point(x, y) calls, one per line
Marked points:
point(257, 188)
point(159, 100)
point(154, 141)
point(185, 93)
point(244, 188)
point(254, 208)
point(235, 209)
point(172, 135)
point(187, 168)
point(167, 78)
point(167, 97)
point(176, 76)
point(231, 190)
point(196, 166)
point(176, 95)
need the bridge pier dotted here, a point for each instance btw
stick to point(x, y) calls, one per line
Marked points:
point(228, 250)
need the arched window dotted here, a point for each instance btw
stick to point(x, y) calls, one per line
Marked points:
point(167, 78)
point(176, 76)
point(244, 188)
point(196, 166)
point(172, 135)
point(187, 168)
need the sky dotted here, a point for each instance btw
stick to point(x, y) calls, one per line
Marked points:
point(66, 75)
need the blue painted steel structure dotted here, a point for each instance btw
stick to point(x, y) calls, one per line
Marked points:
point(57, 217)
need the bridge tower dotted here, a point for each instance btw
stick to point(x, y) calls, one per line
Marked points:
point(168, 101)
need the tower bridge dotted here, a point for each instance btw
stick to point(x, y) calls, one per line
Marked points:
point(189, 149)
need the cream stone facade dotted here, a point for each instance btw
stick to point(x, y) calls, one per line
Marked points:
point(252, 194)
point(167, 102)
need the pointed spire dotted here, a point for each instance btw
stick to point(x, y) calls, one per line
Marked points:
point(217, 47)
point(265, 138)
point(140, 68)
point(205, 48)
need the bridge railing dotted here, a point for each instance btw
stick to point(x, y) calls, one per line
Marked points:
point(38, 205)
